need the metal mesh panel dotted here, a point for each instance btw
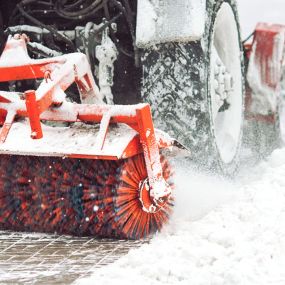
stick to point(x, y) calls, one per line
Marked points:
point(51, 259)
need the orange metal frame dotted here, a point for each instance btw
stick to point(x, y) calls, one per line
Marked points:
point(44, 104)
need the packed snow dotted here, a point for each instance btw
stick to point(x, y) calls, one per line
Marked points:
point(162, 21)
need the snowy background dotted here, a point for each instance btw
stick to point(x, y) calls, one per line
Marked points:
point(252, 11)
point(222, 232)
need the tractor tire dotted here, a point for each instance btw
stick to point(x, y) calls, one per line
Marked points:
point(177, 82)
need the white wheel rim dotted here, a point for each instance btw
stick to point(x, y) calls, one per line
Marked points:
point(226, 49)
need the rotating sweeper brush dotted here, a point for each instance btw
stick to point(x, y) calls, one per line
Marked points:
point(102, 175)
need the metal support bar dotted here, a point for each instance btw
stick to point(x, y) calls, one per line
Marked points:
point(33, 114)
point(149, 144)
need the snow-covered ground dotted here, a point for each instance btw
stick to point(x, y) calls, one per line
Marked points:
point(222, 232)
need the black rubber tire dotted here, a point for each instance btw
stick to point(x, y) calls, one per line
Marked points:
point(176, 82)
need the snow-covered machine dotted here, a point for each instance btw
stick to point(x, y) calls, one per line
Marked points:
point(87, 160)
point(265, 87)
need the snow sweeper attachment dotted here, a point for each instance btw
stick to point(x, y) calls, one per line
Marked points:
point(98, 172)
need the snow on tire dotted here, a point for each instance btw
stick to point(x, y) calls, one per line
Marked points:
point(179, 82)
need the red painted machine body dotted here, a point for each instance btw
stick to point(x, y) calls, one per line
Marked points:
point(265, 57)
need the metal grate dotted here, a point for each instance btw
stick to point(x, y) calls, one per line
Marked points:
point(50, 259)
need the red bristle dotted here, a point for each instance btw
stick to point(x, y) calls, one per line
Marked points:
point(78, 197)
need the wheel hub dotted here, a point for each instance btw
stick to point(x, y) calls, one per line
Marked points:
point(149, 203)
point(224, 84)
